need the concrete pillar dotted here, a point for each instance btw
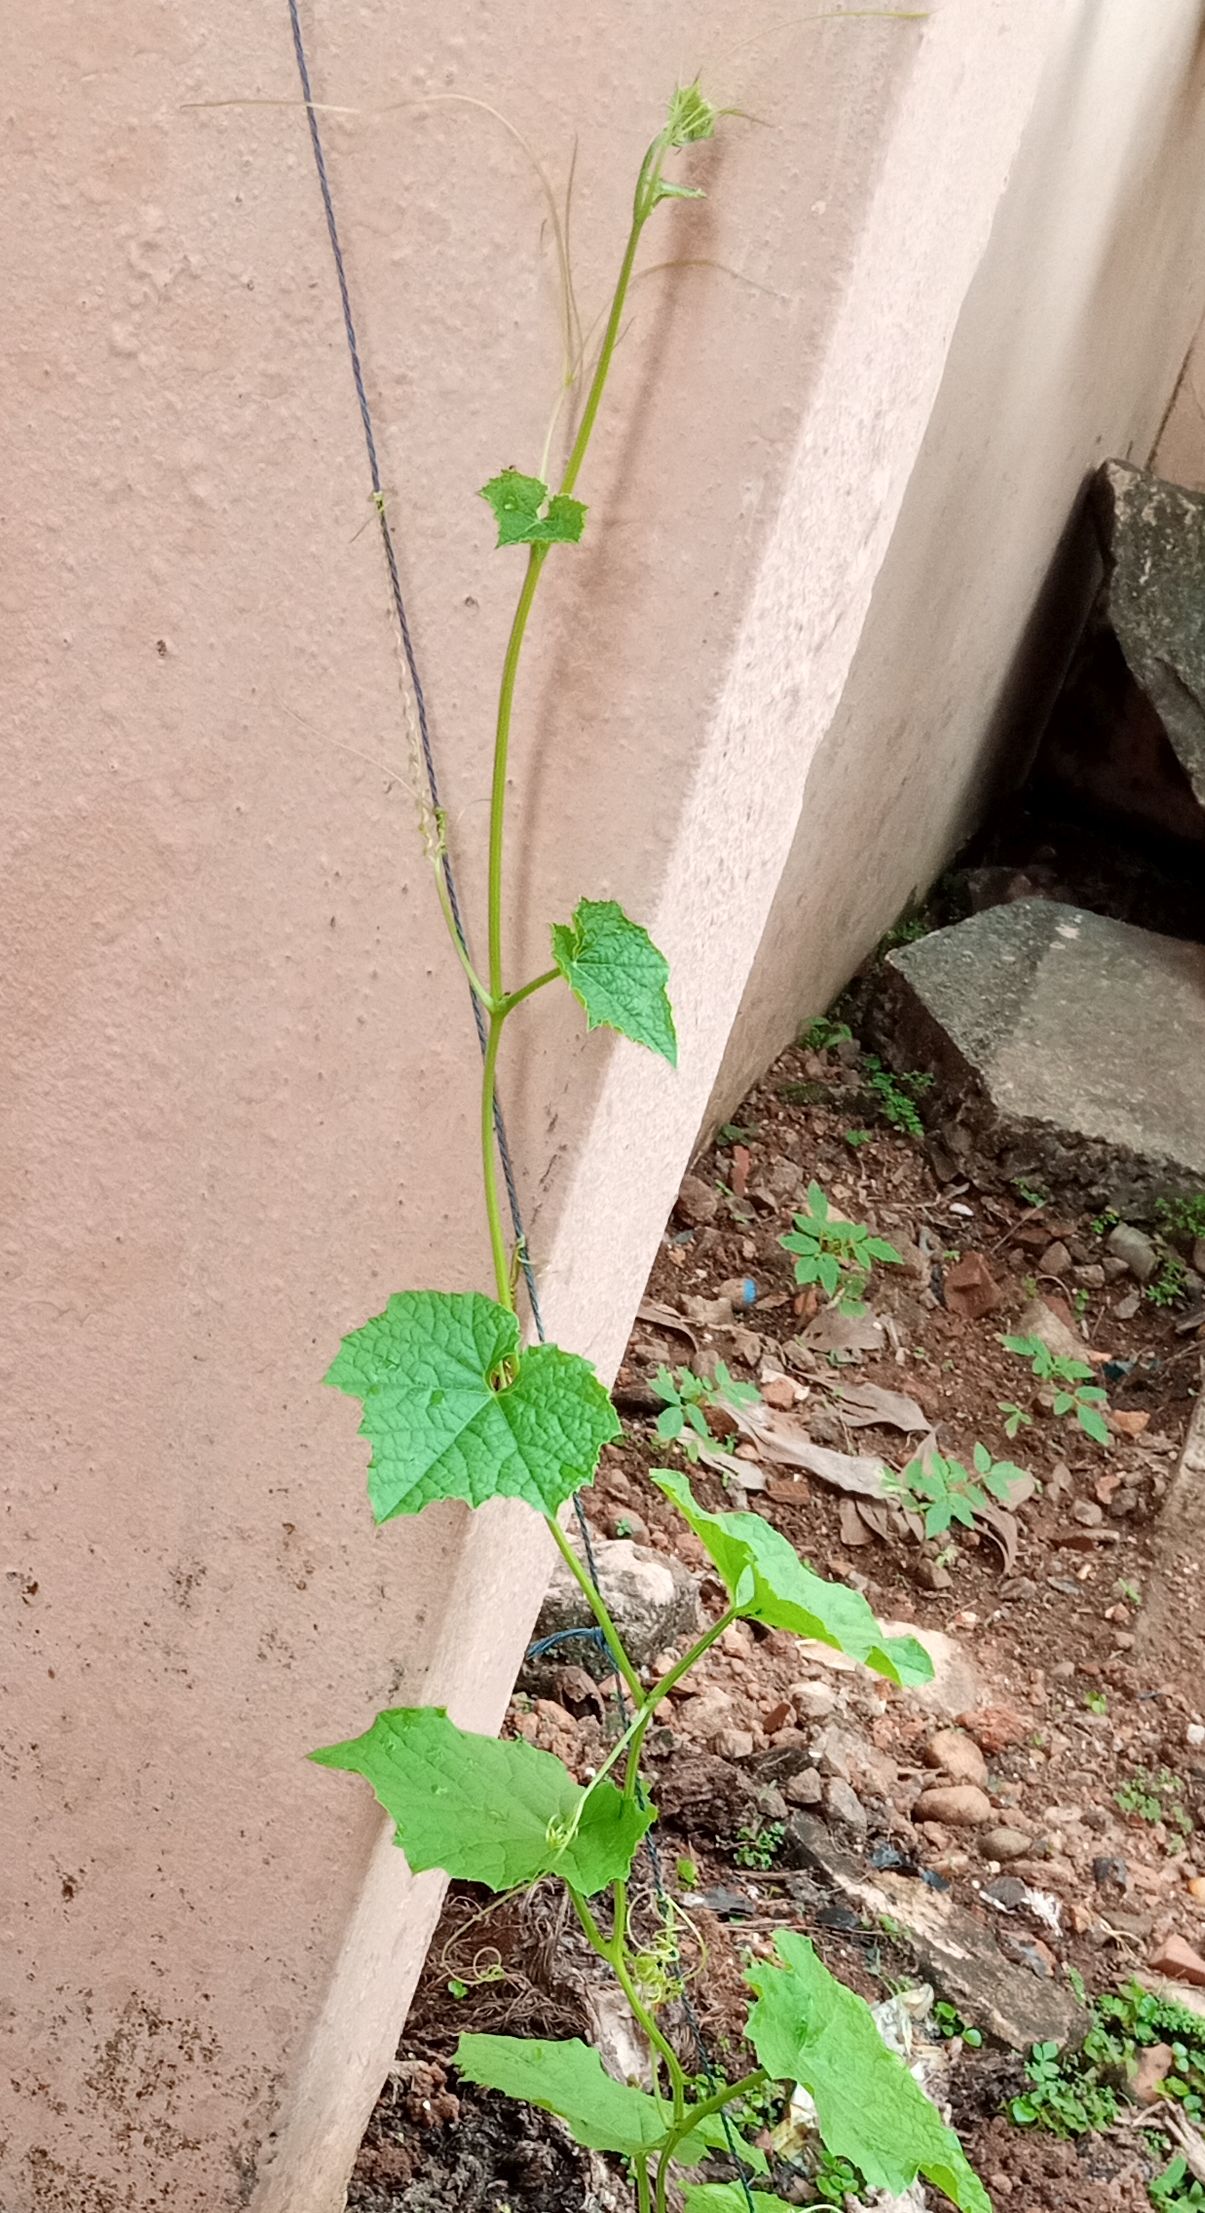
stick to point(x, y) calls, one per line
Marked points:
point(240, 1086)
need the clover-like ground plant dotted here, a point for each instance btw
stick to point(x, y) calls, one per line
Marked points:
point(455, 1406)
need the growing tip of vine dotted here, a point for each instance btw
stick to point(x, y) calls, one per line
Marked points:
point(691, 116)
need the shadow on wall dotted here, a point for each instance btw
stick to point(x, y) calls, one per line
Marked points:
point(1077, 307)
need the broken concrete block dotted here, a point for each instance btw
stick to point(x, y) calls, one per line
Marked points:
point(1072, 1044)
point(956, 1951)
point(1153, 542)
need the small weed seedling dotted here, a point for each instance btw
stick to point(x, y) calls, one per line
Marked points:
point(1096, 1701)
point(1177, 2189)
point(1170, 1286)
point(836, 2182)
point(1155, 1796)
point(906, 931)
point(1081, 2093)
point(1030, 1194)
point(821, 1035)
point(855, 1139)
point(948, 2022)
point(1015, 1418)
point(455, 1404)
point(1074, 1392)
point(687, 1398)
point(896, 1095)
point(944, 1491)
point(1183, 1218)
point(839, 1256)
point(1063, 2097)
point(759, 1847)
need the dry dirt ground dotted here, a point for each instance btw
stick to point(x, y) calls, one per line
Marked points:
point(1071, 1667)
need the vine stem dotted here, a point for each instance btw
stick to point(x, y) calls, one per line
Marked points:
point(612, 1950)
point(489, 1163)
point(597, 1605)
point(506, 701)
point(643, 2201)
point(662, 1689)
point(686, 2122)
point(515, 999)
point(497, 1002)
point(648, 1701)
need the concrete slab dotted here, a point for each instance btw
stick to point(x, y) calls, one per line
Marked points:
point(1074, 1046)
point(1153, 541)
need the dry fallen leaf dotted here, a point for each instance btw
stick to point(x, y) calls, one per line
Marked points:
point(746, 1473)
point(833, 1331)
point(862, 1405)
point(666, 1317)
point(786, 1441)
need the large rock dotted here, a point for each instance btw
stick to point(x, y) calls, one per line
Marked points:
point(956, 1951)
point(650, 1596)
point(1071, 1045)
point(1153, 541)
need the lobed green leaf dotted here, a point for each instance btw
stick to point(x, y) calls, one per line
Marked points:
point(614, 969)
point(808, 2028)
point(490, 1810)
point(452, 1409)
point(528, 514)
point(768, 1582)
point(568, 2078)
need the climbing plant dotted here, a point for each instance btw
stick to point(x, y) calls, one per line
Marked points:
point(456, 1406)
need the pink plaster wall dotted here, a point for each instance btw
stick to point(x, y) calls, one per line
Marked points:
point(239, 1086)
point(1067, 351)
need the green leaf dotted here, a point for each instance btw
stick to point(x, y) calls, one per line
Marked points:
point(726, 1386)
point(808, 2028)
point(732, 2197)
point(528, 514)
point(568, 2078)
point(489, 1810)
point(1093, 1424)
point(768, 1581)
point(801, 1240)
point(670, 1424)
point(454, 1410)
point(817, 1203)
point(613, 967)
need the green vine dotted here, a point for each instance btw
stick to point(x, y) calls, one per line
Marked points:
point(455, 1407)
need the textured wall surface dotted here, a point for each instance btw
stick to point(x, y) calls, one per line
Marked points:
point(239, 1091)
point(1067, 351)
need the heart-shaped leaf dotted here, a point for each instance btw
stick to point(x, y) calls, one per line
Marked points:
point(454, 1410)
point(613, 967)
point(489, 1810)
point(808, 2028)
point(528, 514)
point(767, 1581)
